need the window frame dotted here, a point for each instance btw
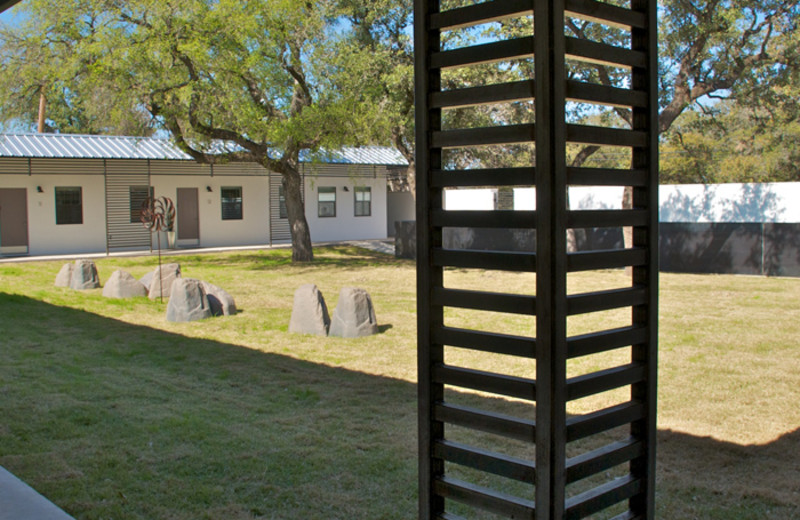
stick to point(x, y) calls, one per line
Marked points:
point(368, 201)
point(326, 203)
point(65, 211)
point(234, 205)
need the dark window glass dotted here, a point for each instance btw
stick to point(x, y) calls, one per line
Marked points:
point(363, 197)
point(138, 195)
point(326, 201)
point(69, 205)
point(282, 213)
point(231, 203)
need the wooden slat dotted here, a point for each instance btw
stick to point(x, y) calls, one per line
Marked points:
point(602, 459)
point(603, 54)
point(486, 53)
point(604, 380)
point(473, 96)
point(485, 341)
point(483, 136)
point(484, 498)
point(484, 219)
point(596, 342)
point(500, 384)
point(485, 460)
point(606, 177)
point(603, 420)
point(629, 515)
point(596, 218)
point(600, 94)
point(605, 300)
point(490, 422)
point(486, 301)
point(505, 261)
point(602, 12)
point(483, 177)
point(449, 516)
point(603, 136)
point(601, 497)
point(605, 259)
point(482, 13)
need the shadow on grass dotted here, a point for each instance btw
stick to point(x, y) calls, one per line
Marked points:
point(340, 256)
point(109, 419)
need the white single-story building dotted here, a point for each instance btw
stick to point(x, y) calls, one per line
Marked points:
point(70, 194)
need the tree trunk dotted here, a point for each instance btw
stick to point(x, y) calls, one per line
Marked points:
point(302, 250)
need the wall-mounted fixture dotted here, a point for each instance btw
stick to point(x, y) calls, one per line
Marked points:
point(208, 189)
point(346, 188)
point(39, 189)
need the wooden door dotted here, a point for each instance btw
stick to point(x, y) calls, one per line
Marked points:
point(188, 214)
point(13, 221)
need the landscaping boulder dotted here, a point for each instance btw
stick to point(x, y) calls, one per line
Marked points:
point(187, 301)
point(219, 300)
point(64, 276)
point(122, 284)
point(354, 315)
point(146, 280)
point(167, 275)
point(84, 275)
point(309, 312)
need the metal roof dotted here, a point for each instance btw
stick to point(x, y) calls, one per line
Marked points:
point(71, 146)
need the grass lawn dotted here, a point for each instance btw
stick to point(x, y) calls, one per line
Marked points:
point(113, 412)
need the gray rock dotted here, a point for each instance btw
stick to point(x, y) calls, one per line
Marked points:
point(122, 284)
point(168, 274)
point(187, 301)
point(354, 315)
point(84, 276)
point(64, 276)
point(219, 300)
point(309, 312)
point(146, 280)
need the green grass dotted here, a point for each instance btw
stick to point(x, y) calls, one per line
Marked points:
point(113, 412)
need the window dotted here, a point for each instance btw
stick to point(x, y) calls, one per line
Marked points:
point(69, 205)
point(363, 197)
point(138, 196)
point(231, 203)
point(282, 213)
point(326, 201)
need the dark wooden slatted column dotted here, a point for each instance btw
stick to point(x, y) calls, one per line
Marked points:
point(541, 417)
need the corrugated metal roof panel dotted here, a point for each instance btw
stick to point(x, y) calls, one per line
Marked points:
point(71, 146)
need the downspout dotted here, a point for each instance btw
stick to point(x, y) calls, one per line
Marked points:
point(105, 200)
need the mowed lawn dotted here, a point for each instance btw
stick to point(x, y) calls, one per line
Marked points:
point(114, 413)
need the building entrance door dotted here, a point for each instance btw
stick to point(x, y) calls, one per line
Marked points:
point(13, 221)
point(188, 217)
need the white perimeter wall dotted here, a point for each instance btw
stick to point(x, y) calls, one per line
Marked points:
point(253, 229)
point(767, 202)
point(44, 235)
point(345, 225)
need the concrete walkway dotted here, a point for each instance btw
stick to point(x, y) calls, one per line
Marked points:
point(381, 246)
point(19, 501)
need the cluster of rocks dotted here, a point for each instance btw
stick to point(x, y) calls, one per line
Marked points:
point(189, 299)
point(353, 317)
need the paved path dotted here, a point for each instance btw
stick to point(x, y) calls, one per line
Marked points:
point(382, 246)
point(19, 501)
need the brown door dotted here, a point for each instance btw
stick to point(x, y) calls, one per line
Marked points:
point(188, 214)
point(13, 221)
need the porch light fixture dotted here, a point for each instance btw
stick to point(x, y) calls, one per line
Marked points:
point(346, 188)
point(39, 189)
point(208, 189)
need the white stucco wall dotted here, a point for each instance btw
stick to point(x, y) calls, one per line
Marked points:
point(253, 229)
point(767, 202)
point(44, 235)
point(400, 206)
point(583, 197)
point(345, 225)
